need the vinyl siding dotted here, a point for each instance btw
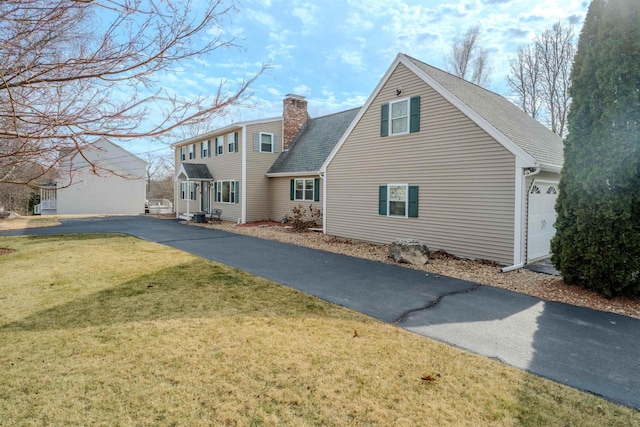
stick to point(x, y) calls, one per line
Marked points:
point(466, 179)
point(227, 166)
point(281, 203)
point(258, 193)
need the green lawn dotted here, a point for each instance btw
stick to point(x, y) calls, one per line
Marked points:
point(110, 330)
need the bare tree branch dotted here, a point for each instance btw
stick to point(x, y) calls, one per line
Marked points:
point(467, 59)
point(540, 76)
point(73, 71)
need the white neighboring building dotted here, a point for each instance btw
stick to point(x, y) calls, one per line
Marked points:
point(115, 186)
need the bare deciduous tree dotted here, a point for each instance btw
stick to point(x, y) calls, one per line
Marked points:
point(468, 60)
point(524, 80)
point(159, 177)
point(540, 76)
point(73, 71)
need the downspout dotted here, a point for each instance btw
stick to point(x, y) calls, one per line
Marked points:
point(175, 197)
point(189, 195)
point(518, 251)
point(243, 182)
point(323, 176)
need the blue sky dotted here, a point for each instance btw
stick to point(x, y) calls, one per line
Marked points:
point(334, 52)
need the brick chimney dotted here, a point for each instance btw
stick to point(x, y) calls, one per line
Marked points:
point(294, 117)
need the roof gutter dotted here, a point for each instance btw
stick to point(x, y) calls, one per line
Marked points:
point(285, 174)
point(547, 167)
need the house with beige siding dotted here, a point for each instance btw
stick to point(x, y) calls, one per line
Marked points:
point(258, 169)
point(429, 156)
point(433, 157)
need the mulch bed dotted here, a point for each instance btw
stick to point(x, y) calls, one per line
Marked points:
point(262, 224)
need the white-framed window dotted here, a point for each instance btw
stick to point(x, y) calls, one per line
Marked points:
point(219, 145)
point(304, 189)
point(232, 142)
point(399, 116)
point(226, 191)
point(188, 190)
point(398, 199)
point(192, 151)
point(266, 142)
point(205, 149)
point(183, 153)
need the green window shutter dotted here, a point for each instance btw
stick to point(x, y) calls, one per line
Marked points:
point(382, 200)
point(215, 192)
point(316, 190)
point(237, 191)
point(235, 142)
point(414, 119)
point(384, 120)
point(202, 150)
point(275, 144)
point(256, 141)
point(413, 201)
point(292, 191)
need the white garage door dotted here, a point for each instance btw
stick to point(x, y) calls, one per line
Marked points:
point(542, 216)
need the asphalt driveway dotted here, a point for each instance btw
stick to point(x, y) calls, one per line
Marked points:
point(590, 350)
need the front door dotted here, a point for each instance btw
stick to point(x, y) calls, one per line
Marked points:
point(205, 196)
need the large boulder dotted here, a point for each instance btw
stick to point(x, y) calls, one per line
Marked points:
point(410, 251)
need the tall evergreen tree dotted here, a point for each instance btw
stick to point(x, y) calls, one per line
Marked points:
point(597, 243)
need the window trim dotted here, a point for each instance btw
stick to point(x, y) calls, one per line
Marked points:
point(413, 117)
point(406, 201)
point(233, 191)
point(219, 145)
point(185, 190)
point(232, 142)
point(205, 149)
point(304, 189)
point(272, 142)
point(411, 204)
point(407, 100)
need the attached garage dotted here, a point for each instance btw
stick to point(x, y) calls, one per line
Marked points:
point(541, 218)
point(485, 173)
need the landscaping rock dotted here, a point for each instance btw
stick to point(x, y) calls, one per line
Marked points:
point(410, 251)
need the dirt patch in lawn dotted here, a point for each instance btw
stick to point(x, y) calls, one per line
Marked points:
point(4, 251)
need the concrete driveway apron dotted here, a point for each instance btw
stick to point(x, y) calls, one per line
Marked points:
point(590, 350)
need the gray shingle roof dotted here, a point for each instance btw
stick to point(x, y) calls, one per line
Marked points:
point(529, 134)
point(314, 143)
point(197, 171)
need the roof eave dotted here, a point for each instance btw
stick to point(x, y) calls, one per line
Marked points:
point(232, 126)
point(505, 141)
point(286, 174)
point(548, 167)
